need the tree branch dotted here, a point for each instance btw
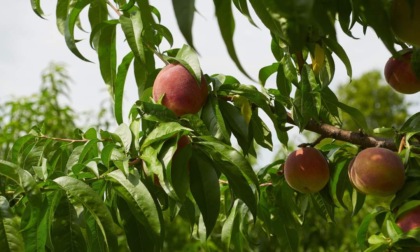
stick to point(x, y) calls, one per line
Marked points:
point(358, 138)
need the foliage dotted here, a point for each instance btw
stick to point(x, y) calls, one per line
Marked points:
point(45, 109)
point(109, 190)
point(383, 101)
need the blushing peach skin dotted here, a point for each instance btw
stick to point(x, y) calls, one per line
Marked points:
point(306, 170)
point(377, 171)
point(400, 75)
point(180, 91)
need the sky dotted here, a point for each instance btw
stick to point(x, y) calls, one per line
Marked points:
point(29, 44)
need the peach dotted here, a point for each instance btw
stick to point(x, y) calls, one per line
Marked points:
point(377, 171)
point(409, 220)
point(179, 89)
point(400, 75)
point(306, 170)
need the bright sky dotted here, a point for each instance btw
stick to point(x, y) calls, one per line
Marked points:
point(28, 44)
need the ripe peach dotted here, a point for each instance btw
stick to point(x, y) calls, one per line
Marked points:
point(179, 89)
point(405, 20)
point(306, 170)
point(400, 75)
point(377, 171)
point(409, 220)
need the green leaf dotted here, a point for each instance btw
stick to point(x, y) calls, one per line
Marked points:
point(24, 179)
point(74, 157)
point(36, 7)
point(163, 131)
point(98, 13)
point(213, 118)
point(179, 171)
point(10, 236)
point(306, 103)
point(362, 232)
point(140, 201)
point(340, 182)
point(341, 53)
point(82, 193)
point(204, 184)
point(412, 124)
point(242, 6)
point(106, 154)
point(107, 53)
point(324, 204)
point(164, 32)
point(236, 168)
point(226, 22)
point(66, 232)
point(124, 136)
point(267, 71)
point(184, 13)
point(188, 57)
point(61, 11)
point(358, 199)
point(69, 27)
point(132, 26)
point(262, 12)
point(231, 226)
point(237, 124)
point(94, 235)
point(155, 112)
point(357, 116)
point(260, 131)
point(409, 190)
point(375, 14)
point(18, 145)
point(137, 235)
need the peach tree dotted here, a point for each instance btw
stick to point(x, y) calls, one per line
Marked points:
point(117, 190)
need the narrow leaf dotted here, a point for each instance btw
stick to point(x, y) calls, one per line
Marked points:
point(69, 27)
point(140, 201)
point(205, 188)
point(132, 27)
point(36, 7)
point(184, 13)
point(81, 192)
point(226, 22)
point(119, 86)
point(107, 54)
point(10, 236)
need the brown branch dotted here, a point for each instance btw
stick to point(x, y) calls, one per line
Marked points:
point(358, 138)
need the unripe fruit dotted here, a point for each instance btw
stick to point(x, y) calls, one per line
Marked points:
point(377, 171)
point(179, 89)
point(306, 170)
point(400, 75)
point(409, 220)
point(405, 20)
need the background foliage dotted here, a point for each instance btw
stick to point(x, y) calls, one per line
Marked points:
point(96, 189)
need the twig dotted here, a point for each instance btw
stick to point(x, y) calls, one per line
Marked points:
point(358, 138)
point(68, 140)
point(114, 8)
point(224, 182)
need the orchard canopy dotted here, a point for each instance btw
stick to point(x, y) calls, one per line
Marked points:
point(187, 148)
